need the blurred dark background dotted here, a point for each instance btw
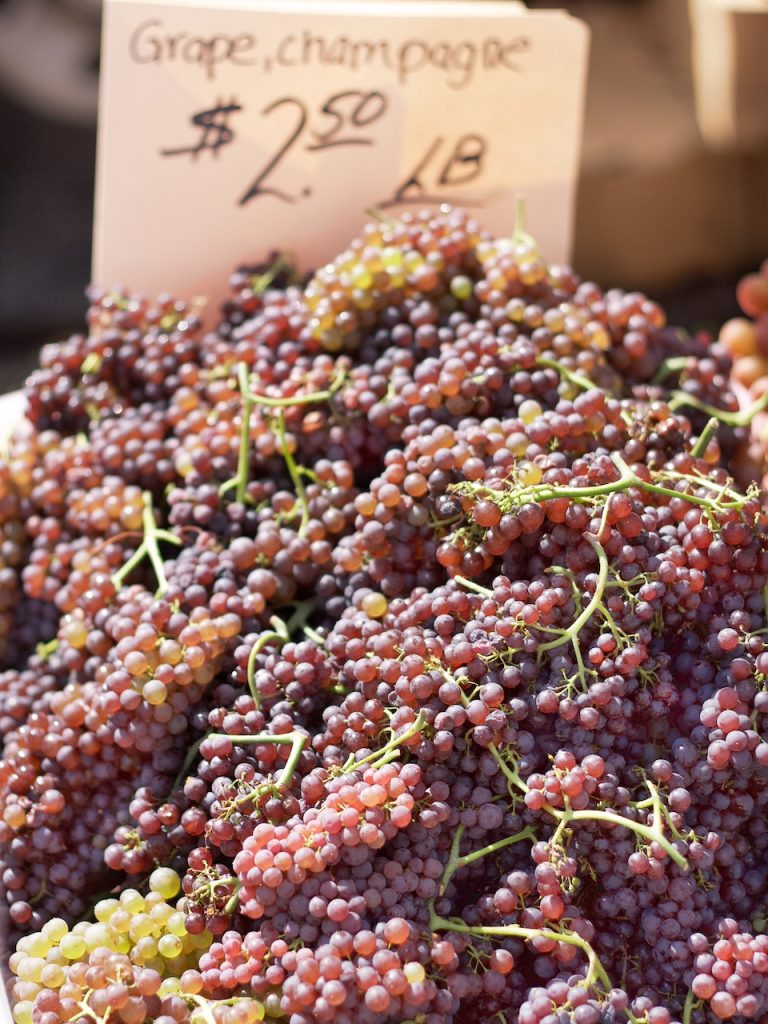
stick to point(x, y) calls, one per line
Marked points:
point(672, 197)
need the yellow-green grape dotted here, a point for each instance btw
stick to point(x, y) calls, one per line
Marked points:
point(30, 969)
point(145, 949)
point(15, 816)
point(55, 930)
point(554, 320)
point(597, 336)
point(414, 972)
point(375, 605)
point(175, 924)
point(154, 692)
point(201, 941)
point(533, 315)
point(362, 278)
point(55, 956)
point(363, 298)
point(515, 310)
point(531, 270)
point(529, 474)
point(529, 410)
point(392, 257)
point(99, 935)
point(272, 1004)
point(37, 944)
point(160, 913)
point(142, 925)
point(166, 882)
point(169, 987)
point(170, 946)
point(22, 1012)
point(413, 261)
point(104, 909)
point(132, 901)
point(74, 631)
point(461, 287)
point(156, 964)
point(121, 921)
point(73, 946)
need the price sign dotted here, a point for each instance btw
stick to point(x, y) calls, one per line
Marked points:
point(230, 129)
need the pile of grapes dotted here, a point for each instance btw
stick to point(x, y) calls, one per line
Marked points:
point(746, 339)
point(394, 653)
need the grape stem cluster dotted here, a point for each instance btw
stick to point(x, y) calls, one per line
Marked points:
point(148, 548)
point(239, 483)
point(510, 499)
point(279, 634)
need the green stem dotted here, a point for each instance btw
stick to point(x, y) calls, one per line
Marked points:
point(229, 906)
point(690, 1002)
point(260, 284)
point(45, 650)
point(742, 418)
point(656, 804)
point(203, 1007)
point(293, 472)
point(595, 968)
point(675, 364)
point(455, 861)
point(307, 399)
point(297, 740)
point(562, 824)
point(240, 481)
point(631, 480)
point(148, 549)
point(520, 236)
point(651, 834)
point(287, 403)
point(280, 634)
point(660, 812)
point(92, 1013)
point(314, 636)
point(641, 805)
point(381, 756)
point(471, 585)
point(289, 768)
point(547, 492)
point(191, 754)
point(40, 893)
point(572, 376)
point(574, 629)
point(243, 455)
point(704, 438)
point(301, 613)
point(564, 817)
point(721, 490)
point(256, 650)
point(511, 774)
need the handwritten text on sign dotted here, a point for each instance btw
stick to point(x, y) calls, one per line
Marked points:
point(227, 131)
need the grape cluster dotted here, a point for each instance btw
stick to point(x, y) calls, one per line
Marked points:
point(745, 339)
point(732, 973)
point(392, 652)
